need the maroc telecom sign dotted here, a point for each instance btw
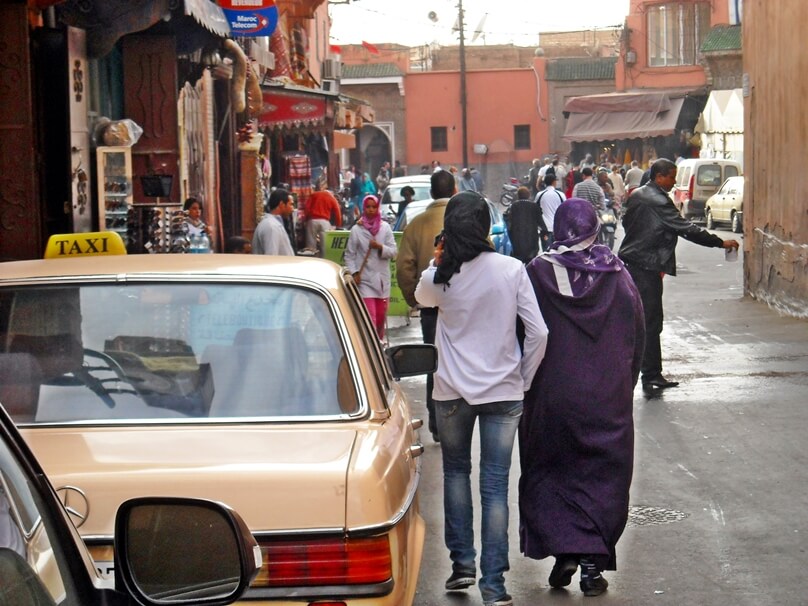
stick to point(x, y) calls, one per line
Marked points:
point(250, 18)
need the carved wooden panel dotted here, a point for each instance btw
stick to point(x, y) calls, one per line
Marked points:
point(150, 99)
point(20, 215)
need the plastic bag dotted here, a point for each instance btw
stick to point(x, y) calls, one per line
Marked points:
point(121, 133)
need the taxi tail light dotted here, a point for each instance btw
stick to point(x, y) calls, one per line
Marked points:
point(325, 562)
point(690, 184)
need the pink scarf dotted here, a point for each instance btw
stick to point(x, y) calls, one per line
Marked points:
point(374, 223)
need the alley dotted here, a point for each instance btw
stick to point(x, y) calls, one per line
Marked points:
point(719, 497)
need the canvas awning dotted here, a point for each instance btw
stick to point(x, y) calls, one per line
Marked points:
point(614, 116)
point(723, 113)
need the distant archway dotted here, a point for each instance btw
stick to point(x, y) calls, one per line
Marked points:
point(374, 147)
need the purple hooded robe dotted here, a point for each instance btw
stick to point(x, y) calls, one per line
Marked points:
point(576, 436)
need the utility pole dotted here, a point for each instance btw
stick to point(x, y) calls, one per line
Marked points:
point(463, 125)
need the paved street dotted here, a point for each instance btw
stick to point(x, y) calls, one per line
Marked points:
point(719, 512)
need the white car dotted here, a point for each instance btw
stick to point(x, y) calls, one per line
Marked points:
point(726, 205)
point(391, 197)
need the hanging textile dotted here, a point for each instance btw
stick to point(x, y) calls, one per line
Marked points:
point(297, 170)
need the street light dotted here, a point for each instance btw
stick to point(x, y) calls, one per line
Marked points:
point(463, 124)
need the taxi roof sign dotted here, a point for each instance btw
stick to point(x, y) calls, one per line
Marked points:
point(89, 244)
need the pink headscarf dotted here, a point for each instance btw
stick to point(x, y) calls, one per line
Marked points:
point(374, 223)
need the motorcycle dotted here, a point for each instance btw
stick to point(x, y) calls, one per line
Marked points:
point(608, 225)
point(509, 189)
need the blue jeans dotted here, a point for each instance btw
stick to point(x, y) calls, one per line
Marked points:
point(498, 424)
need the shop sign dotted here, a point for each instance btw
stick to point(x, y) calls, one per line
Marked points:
point(336, 241)
point(251, 18)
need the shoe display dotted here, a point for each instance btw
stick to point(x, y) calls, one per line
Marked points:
point(505, 600)
point(562, 572)
point(459, 581)
point(659, 382)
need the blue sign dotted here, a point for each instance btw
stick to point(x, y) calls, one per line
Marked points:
point(252, 20)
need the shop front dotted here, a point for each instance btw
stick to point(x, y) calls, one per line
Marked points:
point(619, 128)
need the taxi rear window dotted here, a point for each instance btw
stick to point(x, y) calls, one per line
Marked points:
point(160, 351)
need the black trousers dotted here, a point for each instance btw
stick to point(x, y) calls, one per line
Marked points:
point(649, 283)
point(429, 324)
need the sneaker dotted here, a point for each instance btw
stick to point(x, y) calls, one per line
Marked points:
point(459, 581)
point(505, 600)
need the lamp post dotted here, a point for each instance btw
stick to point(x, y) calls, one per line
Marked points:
point(463, 121)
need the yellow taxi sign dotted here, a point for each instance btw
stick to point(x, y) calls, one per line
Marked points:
point(89, 244)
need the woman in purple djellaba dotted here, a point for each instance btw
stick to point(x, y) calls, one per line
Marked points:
point(576, 437)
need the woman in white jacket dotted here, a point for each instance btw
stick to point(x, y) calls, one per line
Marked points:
point(371, 246)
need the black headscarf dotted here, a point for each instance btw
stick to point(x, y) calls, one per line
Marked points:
point(466, 224)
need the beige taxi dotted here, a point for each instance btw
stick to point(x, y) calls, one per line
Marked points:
point(252, 380)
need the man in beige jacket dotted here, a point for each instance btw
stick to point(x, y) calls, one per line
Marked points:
point(414, 254)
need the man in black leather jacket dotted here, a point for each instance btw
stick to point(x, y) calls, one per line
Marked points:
point(653, 227)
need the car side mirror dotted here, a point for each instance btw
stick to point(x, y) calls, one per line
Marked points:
point(172, 550)
point(412, 359)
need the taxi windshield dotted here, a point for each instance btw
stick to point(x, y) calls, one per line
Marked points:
point(158, 351)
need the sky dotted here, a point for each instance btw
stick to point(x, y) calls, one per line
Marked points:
point(516, 22)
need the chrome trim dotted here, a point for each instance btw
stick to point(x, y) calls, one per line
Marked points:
point(336, 592)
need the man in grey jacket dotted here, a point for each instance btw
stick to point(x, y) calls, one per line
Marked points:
point(653, 227)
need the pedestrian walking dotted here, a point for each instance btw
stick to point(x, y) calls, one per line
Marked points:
point(653, 227)
point(549, 200)
point(321, 209)
point(525, 224)
point(370, 247)
point(588, 189)
point(576, 436)
point(271, 237)
point(415, 252)
point(482, 376)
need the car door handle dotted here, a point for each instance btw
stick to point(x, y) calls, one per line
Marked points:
point(417, 449)
point(417, 423)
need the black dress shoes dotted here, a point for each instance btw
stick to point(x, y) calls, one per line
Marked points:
point(659, 382)
point(562, 572)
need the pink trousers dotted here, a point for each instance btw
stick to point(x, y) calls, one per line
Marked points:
point(377, 308)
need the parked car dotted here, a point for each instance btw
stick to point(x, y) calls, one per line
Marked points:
point(167, 549)
point(696, 180)
point(498, 232)
point(249, 379)
point(391, 197)
point(726, 205)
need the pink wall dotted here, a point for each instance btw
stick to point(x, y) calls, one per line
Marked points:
point(496, 101)
point(640, 75)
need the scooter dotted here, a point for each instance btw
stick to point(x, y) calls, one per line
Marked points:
point(509, 192)
point(608, 225)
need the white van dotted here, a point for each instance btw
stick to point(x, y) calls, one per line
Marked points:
point(696, 180)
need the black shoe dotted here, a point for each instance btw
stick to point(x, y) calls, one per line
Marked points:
point(659, 382)
point(593, 586)
point(592, 581)
point(459, 581)
point(562, 572)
